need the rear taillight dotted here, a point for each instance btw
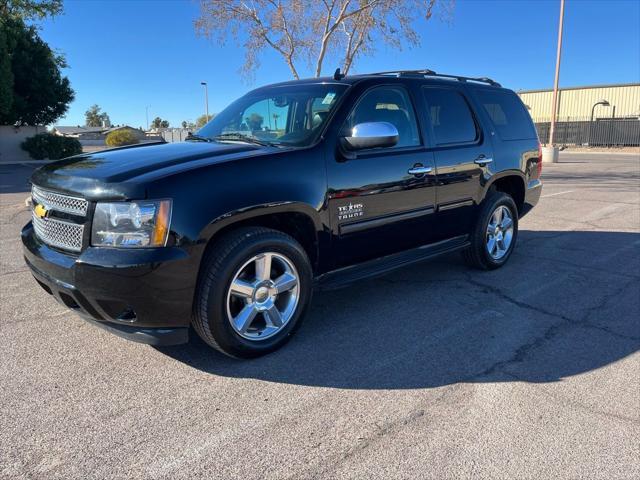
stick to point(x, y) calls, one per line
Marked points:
point(539, 159)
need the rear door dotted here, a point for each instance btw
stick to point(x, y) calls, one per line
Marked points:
point(515, 141)
point(377, 205)
point(463, 156)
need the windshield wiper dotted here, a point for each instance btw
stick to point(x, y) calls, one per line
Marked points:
point(197, 138)
point(242, 138)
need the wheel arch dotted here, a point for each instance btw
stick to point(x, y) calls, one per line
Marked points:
point(296, 219)
point(511, 182)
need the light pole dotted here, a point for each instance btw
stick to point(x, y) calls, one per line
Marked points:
point(206, 98)
point(146, 111)
point(604, 103)
point(551, 151)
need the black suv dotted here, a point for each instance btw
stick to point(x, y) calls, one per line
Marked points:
point(302, 184)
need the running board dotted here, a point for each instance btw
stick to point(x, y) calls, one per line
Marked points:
point(345, 276)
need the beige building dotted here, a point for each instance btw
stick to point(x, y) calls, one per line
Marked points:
point(576, 103)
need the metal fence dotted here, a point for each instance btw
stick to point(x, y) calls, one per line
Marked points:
point(602, 132)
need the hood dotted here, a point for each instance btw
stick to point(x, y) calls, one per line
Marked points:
point(117, 173)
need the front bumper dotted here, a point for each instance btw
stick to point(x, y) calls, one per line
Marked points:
point(143, 295)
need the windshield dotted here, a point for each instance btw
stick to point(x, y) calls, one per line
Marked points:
point(286, 115)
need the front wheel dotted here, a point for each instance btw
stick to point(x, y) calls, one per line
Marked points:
point(494, 235)
point(253, 292)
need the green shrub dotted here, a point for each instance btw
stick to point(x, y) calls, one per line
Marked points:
point(118, 138)
point(53, 147)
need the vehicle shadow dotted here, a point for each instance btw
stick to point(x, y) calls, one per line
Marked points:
point(557, 309)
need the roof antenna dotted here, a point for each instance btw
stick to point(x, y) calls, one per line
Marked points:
point(337, 75)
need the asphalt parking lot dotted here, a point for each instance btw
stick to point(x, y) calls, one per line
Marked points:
point(435, 371)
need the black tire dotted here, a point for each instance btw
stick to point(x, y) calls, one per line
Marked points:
point(210, 317)
point(477, 255)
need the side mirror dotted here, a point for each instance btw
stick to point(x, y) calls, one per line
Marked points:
point(371, 135)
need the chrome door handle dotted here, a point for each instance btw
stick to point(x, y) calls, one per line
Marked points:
point(482, 161)
point(419, 170)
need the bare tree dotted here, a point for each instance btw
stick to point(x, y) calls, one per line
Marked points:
point(311, 31)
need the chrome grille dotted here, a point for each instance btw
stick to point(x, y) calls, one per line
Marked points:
point(58, 233)
point(60, 202)
point(52, 230)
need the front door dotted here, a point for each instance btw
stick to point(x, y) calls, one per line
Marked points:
point(382, 201)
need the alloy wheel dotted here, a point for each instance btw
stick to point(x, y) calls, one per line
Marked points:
point(262, 296)
point(499, 232)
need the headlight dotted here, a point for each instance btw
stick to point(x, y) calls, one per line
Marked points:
point(131, 224)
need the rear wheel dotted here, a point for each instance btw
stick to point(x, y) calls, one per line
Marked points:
point(494, 235)
point(253, 292)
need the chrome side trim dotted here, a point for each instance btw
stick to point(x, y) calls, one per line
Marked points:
point(381, 221)
point(450, 206)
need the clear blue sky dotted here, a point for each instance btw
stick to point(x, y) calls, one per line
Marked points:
point(125, 55)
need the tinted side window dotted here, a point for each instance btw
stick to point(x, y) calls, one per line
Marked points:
point(451, 118)
point(387, 104)
point(507, 113)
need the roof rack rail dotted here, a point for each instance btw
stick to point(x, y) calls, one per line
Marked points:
point(430, 73)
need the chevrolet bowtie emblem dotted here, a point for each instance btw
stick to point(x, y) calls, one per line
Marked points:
point(40, 210)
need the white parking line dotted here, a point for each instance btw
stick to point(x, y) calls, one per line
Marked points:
point(564, 152)
point(557, 193)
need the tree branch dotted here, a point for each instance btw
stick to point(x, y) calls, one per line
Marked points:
point(343, 15)
point(328, 33)
point(325, 36)
point(314, 30)
point(263, 31)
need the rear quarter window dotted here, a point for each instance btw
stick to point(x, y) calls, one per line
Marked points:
point(507, 113)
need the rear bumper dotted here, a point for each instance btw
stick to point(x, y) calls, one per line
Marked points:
point(142, 295)
point(531, 196)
